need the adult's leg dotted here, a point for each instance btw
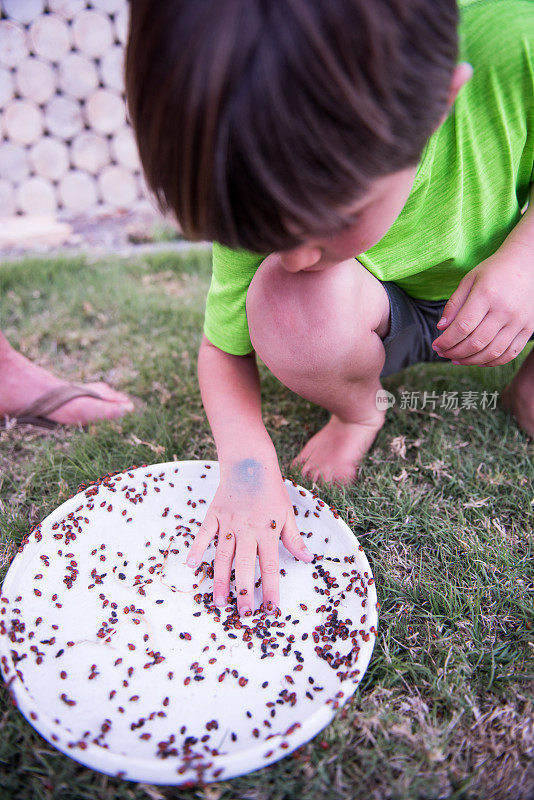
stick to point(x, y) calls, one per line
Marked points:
point(518, 396)
point(22, 382)
point(320, 334)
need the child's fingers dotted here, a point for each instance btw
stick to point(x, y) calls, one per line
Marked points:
point(245, 568)
point(466, 320)
point(222, 565)
point(456, 301)
point(478, 339)
point(494, 350)
point(269, 568)
point(203, 537)
point(293, 541)
point(515, 347)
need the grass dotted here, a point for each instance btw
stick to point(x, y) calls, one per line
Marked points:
point(443, 507)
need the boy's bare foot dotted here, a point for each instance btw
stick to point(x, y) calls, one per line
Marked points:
point(518, 396)
point(22, 382)
point(334, 453)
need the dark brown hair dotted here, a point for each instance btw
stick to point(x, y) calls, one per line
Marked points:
point(256, 120)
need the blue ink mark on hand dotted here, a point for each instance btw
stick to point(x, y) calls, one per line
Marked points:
point(248, 473)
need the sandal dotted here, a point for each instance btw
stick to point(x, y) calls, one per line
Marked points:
point(36, 413)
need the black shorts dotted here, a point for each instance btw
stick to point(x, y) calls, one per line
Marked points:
point(413, 329)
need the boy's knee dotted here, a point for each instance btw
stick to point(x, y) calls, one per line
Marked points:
point(260, 288)
point(281, 322)
point(274, 331)
point(315, 321)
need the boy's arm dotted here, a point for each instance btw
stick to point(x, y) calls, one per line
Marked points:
point(230, 389)
point(251, 509)
point(490, 317)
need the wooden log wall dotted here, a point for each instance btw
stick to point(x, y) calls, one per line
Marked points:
point(65, 143)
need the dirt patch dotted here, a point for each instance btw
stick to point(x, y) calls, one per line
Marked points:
point(124, 233)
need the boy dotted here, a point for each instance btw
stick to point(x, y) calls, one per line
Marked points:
point(312, 132)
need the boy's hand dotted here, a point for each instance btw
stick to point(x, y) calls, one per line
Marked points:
point(490, 316)
point(251, 510)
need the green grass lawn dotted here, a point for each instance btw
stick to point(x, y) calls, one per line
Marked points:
point(443, 507)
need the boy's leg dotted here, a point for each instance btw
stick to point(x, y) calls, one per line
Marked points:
point(22, 382)
point(518, 396)
point(320, 334)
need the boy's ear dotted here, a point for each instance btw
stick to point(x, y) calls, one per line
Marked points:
point(463, 73)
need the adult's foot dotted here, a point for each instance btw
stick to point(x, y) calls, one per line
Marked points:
point(23, 382)
point(518, 396)
point(334, 453)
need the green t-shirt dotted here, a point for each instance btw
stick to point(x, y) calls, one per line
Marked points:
point(471, 184)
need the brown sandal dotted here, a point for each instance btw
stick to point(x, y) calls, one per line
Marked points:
point(36, 413)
